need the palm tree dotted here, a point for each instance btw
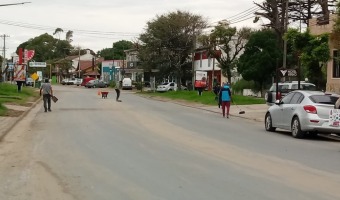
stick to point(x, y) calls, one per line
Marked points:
point(58, 31)
point(69, 36)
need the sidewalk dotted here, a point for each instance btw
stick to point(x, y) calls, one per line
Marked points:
point(254, 112)
point(7, 123)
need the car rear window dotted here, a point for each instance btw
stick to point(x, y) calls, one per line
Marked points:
point(324, 99)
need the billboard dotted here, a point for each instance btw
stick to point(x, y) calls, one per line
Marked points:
point(201, 79)
point(20, 73)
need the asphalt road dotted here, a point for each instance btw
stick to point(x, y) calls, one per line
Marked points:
point(142, 149)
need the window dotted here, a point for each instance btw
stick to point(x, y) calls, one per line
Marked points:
point(336, 67)
point(297, 98)
point(324, 99)
point(287, 98)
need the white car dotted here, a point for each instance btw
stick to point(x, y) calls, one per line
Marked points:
point(304, 112)
point(167, 86)
point(285, 88)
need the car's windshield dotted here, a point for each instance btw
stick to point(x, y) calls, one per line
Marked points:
point(165, 83)
point(324, 99)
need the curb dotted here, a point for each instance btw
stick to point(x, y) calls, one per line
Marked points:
point(195, 107)
point(17, 119)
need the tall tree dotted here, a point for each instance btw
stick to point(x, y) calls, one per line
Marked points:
point(58, 31)
point(259, 60)
point(312, 51)
point(46, 48)
point(230, 42)
point(119, 47)
point(170, 39)
point(69, 36)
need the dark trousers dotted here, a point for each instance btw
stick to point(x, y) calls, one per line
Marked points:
point(225, 104)
point(47, 101)
point(118, 94)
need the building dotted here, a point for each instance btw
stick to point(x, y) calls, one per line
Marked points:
point(333, 67)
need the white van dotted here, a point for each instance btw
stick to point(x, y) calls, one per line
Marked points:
point(127, 84)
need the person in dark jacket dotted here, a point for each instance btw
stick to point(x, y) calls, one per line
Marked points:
point(225, 99)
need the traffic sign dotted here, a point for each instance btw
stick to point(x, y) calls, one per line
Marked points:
point(34, 76)
point(37, 64)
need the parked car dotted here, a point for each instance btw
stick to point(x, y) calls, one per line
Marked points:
point(72, 81)
point(64, 81)
point(167, 86)
point(302, 112)
point(102, 84)
point(29, 82)
point(285, 88)
point(86, 80)
point(78, 81)
point(127, 83)
point(92, 84)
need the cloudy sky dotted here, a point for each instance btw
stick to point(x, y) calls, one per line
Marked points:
point(98, 23)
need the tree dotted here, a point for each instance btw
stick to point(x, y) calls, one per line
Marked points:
point(117, 50)
point(46, 48)
point(312, 51)
point(58, 31)
point(119, 47)
point(230, 42)
point(169, 41)
point(69, 36)
point(259, 60)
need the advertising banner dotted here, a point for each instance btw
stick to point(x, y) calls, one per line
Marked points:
point(201, 79)
point(20, 73)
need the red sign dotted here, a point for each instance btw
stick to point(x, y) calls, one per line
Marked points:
point(28, 55)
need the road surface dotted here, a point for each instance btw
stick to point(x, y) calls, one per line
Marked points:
point(141, 149)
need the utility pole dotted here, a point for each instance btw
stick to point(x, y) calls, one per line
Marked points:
point(285, 39)
point(193, 62)
point(4, 58)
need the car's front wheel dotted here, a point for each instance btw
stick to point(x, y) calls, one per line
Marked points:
point(268, 122)
point(296, 128)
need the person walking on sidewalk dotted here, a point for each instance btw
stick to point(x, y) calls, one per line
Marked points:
point(47, 92)
point(225, 98)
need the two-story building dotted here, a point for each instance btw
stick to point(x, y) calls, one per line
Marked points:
point(333, 67)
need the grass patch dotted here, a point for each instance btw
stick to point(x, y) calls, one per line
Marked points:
point(207, 98)
point(9, 94)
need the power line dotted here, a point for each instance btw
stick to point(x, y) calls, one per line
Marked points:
point(49, 28)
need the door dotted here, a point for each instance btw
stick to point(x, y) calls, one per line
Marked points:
point(289, 108)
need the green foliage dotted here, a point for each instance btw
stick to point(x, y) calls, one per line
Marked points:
point(112, 84)
point(117, 50)
point(243, 84)
point(207, 98)
point(167, 42)
point(230, 41)
point(139, 85)
point(312, 50)
point(9, 93)
point(259, 60)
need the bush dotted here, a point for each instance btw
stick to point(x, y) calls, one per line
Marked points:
point(112, 84)
point(243, 84)
point(139, 85)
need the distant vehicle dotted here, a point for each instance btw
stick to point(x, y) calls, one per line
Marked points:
point(92, 84)
point(78, 81)
point(86, 80)
point(304, 112)
point(64, 81)
point(29, 82)
point(127, 84)
point(102, 84)
point(167, 86)
point(285, 88)
point(72, 81)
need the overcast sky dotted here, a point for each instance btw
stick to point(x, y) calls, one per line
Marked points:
point(98, 23)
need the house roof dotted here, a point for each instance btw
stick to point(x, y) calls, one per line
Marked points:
point(92, 74)
point(85, 64)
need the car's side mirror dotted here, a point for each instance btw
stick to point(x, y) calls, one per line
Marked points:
point(278, 102)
